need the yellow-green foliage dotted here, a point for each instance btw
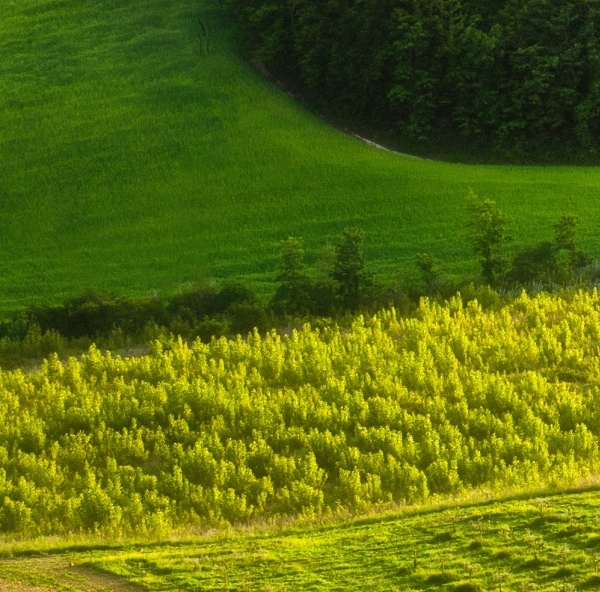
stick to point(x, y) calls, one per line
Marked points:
point(390, 410)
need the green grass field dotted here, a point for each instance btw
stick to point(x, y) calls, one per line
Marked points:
point(549, 543)
point(138, 152)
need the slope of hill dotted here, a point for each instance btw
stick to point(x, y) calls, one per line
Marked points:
point(546, 544)
point(138, 152)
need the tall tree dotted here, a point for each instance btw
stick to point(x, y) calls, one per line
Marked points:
point(349, 268)
point(564, 232)
point(568, 256)
point(293, 292)
point(488, 235)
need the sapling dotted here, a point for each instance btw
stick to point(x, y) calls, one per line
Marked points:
point(443, 559)
point(454, 520)
point(541, 504)
point(535, 543)
point(225, 570)
point(563, 553)
point(470, 568)
point(505, 533)
point(571, 516)
point(501, 577)
point(564, 587)
point(479, 525)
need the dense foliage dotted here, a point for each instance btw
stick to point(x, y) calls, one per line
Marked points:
point(518, 79)
point(390, 410)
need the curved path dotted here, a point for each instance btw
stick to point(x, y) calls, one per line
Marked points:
point(380, 147)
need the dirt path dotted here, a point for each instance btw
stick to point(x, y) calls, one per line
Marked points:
point(380, 147)
point(57, 574)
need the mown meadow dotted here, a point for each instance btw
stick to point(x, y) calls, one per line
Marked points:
point(545, 543)
point(139, 152)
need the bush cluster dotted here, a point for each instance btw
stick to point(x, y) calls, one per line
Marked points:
point(391, 410)
point(207, 311)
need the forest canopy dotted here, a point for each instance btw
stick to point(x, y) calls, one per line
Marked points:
point(514, 80)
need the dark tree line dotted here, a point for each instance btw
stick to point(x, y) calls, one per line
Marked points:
point(513, 79)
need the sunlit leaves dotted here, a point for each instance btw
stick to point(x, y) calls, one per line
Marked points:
point(391, 410)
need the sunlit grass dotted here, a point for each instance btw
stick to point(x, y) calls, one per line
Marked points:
point(138, 152)
point(533, 543)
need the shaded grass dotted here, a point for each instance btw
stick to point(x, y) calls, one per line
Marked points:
point(138, 152)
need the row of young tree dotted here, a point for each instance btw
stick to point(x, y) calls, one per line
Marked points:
point(344, 284)
point(349, 285)
point(337, 286)
point(513, 79)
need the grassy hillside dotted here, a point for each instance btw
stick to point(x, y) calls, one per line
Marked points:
point(543, 544)
point(138, 152)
